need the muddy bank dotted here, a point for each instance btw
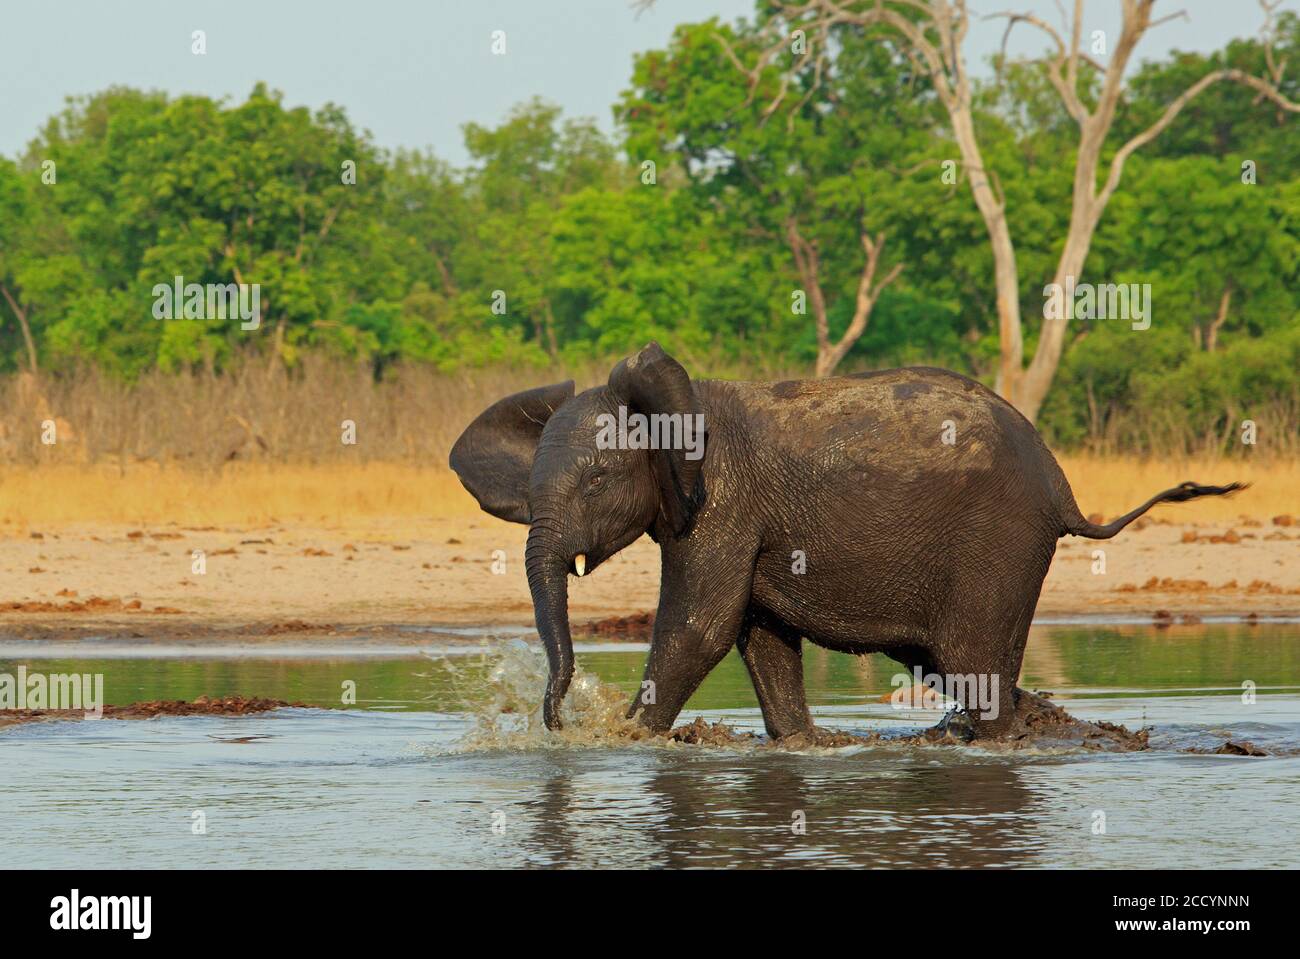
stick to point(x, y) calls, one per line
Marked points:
point(291, 580)
point(638, 627)
point(93, 604)
point(181, 631)
point(1233, 748)
point(202, 706)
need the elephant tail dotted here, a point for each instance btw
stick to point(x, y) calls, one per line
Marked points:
point(1078, 526)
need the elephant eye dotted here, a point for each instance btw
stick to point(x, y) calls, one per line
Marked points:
point(595, 482)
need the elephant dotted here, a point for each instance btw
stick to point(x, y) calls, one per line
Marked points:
point(912, 512)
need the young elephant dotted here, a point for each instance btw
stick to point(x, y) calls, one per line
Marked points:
point(911, 512)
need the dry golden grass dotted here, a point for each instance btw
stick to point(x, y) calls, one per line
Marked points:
point(238, 495)
point(251, 413)
point(1113, 485)
point(344, 496)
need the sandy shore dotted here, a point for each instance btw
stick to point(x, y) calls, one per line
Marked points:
point(286, 580)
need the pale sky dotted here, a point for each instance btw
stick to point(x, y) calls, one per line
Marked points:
point(412, 72)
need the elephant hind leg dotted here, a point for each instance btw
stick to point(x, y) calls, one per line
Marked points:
point(980, 660)
point(774, 657)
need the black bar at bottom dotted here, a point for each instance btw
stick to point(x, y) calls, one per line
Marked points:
point(211, 908)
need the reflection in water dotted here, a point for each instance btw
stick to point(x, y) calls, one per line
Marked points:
point(396, 787)
point(1058, 658)
point(793, 810)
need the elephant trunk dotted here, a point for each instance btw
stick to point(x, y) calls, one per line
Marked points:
point(548, 580)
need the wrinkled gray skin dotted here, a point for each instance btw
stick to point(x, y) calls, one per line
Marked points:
point(930, 552)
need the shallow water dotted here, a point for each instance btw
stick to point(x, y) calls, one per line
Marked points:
point(404, 778)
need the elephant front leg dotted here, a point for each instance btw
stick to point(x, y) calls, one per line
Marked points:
point(699, 619)
point(774, 659)
point(677, 665)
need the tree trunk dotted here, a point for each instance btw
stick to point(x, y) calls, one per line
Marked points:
point(1212, 334)
point(549, 322)
point(1006, 275)
point(23, 325)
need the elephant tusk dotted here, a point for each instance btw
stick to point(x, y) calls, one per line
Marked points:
point(580, 563)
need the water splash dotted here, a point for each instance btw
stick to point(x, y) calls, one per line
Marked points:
point(502, 690)
point(505, 703)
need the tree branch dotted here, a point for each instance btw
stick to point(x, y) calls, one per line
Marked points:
point(1175, 108)
point(828, 357)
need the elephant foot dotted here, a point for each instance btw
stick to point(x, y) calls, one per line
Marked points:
point(956, 726)
point(700, 733)
point(817, 737)
point(1036, 721)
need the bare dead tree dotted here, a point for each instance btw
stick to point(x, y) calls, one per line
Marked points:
point(808, 263)
point(932, 33)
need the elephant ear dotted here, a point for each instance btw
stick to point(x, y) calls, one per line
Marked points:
point(653, 382)
point(494, 456)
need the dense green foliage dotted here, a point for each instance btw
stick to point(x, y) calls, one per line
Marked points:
point(558, 245)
